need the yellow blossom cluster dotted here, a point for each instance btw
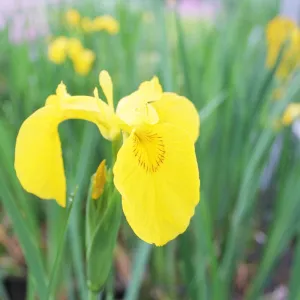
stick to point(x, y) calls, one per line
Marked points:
point(291, 113)
point(283, 35)
point(62, 47)
point(101, 23)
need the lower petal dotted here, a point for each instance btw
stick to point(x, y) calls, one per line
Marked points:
point(156, 173)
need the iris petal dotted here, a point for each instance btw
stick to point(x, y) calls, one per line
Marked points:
point(107, 87)
point(151, 90)
point(157, 175)
point(179, 111)
point(133, 110)
point(38, 154)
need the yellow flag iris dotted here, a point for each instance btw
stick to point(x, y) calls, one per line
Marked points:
point(156, 170)
point(283, 31)
point(83, 61)
point(57, 50)
point(291, 113)
point(107, 23)
point(73, 17)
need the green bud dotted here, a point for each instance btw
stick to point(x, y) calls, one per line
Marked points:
point(103, 222)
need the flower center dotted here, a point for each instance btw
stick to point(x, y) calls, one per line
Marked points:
point(149, 150)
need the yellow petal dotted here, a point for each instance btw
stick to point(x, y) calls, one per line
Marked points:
point(156, 173)
point(107, 23)
point(74, 48)
point(107, 87)
point(73, 17)
point(179, 111)
point(83, 62)
point(134, 111)
point(87, 24)
point(151, 90)
point(291, 113)
point(279, 31)
point(57, 50)
point(111, 130)
point(99, 181)
point(38, 156)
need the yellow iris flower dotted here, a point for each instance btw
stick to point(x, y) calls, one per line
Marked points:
point(82, 58)
point(73, 17)
point(87, 24)
point(280, 31)
point(100, 23)
point(57, 50)
point(107, 23)
point(74, 47)
point(156, 170)
point(83, 61)
point(291, 113)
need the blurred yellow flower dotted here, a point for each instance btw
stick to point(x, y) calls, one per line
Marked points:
point(156, 168)
point(57, 50)
point(74, 47)
point(107, 23)
point(83, 61)
point(73, 17)
point(291, 113)
point(87, 24)
point(283, 32)
point(99, 181)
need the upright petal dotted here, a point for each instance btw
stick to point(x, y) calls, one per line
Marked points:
point(107, 87)
point(38, 156)
point(156, 173)
point(179, 111)
point(151, 90)
point(134, 111)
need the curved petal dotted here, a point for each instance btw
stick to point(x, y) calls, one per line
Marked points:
point(90, 109)
point(38, 156)
point(156, 173)
point(179, 111)
point(87, 108)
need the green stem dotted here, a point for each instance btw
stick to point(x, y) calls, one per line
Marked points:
point(115, 149)
point(92, 295)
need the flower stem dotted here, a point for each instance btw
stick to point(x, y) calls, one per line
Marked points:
point(93, 295)
point(115, 149)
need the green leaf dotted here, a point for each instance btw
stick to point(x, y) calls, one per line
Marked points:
point(28, 242)
point(139, 266)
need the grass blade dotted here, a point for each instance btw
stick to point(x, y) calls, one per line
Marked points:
point(139, 265)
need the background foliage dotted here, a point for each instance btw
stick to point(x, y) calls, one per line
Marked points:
point(247, 221)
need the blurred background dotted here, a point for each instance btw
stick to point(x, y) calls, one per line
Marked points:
point(237, 60)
